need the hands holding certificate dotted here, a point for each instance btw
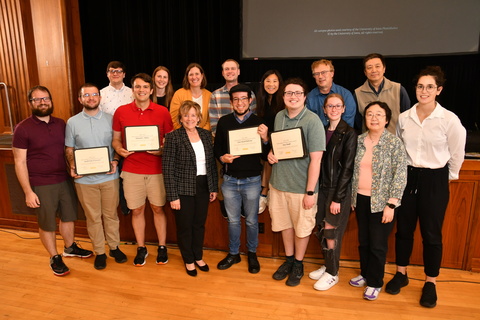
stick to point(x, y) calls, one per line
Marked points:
point(245, 142)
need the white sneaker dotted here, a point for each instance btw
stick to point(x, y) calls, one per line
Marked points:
point(262, 203)
point(317, 274)
point(358, 281)
point(371, 293)
point(325, 282)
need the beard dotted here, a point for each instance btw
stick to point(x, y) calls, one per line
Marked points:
point(87, 107)
point(243, 113)
point(43, 113)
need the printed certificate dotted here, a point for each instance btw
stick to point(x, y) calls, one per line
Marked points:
point(244, 141)
point(91, 160)
point(288, 144)
point(142, 138)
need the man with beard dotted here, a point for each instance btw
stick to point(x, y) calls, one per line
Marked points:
point(98, 193)
point(38, 150)
point(241, 181)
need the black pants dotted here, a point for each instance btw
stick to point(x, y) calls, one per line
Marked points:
point(190, 220)
point(425, 199)
point(373, 242)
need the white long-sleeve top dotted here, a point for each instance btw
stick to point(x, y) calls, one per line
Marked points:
point(438, 140)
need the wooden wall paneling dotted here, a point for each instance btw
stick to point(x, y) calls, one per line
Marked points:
point(472, 257)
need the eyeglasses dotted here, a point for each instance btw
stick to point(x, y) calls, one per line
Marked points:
point(237, 100)
point(322, 73)
point(291, 93)
point(115, 71)
point(337, 106)
point(428, 88)
point(37, 100)
point(376, 115)
point(86, 95)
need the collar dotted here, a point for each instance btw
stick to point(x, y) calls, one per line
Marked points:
point(98, 116)
point(113, 88)
point(380, 87)
point(245, 118)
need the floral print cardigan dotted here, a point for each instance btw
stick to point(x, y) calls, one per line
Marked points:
point(389, 170)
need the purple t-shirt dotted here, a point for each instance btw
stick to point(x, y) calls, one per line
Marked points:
point(45, 144)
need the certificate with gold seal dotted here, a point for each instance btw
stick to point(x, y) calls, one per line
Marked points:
point(288, 144)
point(91, 160)
point(244, 141)
point(142, 138)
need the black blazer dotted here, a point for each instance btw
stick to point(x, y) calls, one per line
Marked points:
point(180, 165)
point(338, 160)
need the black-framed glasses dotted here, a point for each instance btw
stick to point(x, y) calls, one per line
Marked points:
point(291, 93)
point(115, 71)
point(237, 100)
point(37, 100)
point(334, 106)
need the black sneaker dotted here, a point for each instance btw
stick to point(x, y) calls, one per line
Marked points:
point(253, 264)
point(162, 257)
point(295, 276)
point(142, 254)
point(398, 281)
point(100, 261)
point(283, 271)
point(119, 256)
point(429, 295)
point(75, 251)
point(58, 267)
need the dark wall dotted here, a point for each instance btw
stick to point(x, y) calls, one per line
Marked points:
point(173, 33)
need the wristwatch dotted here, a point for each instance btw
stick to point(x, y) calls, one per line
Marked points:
point(310, 193)
point(391, 205)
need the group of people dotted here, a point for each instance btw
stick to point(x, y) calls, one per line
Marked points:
point(397, 169)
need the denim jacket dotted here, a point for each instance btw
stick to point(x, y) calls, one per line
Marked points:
point(389, 170)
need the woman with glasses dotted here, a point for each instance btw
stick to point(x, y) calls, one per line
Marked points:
point(269, 102)
point(434, 139)
point(379, 177)
point(335, 190)
point(163, 88)
point(193, 88)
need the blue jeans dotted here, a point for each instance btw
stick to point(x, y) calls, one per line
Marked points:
point(237, 193)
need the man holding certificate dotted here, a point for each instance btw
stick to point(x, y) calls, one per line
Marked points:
point(241, 142)
point(294, 180)
point(142, 168)
point(87, 135)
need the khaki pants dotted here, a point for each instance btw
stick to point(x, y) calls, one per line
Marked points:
point(100, 202)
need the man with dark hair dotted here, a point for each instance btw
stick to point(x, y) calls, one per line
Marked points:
point(98, 193)
point(116, 93)
point(379, 88)
point(142, 171)
point(220, 99)
point(241, 181)
point(38, 150)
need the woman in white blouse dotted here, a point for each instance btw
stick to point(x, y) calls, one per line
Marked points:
point(434, 139)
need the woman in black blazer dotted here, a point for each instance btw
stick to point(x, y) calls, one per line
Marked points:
point(191, 182)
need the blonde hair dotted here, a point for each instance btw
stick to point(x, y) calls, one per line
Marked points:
point(186, 106)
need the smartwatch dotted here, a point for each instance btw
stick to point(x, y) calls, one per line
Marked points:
point(310, 193)
point(391, 205)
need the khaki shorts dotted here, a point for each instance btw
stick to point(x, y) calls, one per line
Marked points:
point(286, 210)
point(138, 187)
